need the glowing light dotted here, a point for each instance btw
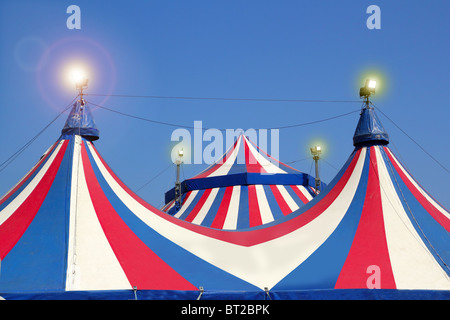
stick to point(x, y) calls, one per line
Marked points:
point(77, 76)
point(315, 151)
point(374, 78)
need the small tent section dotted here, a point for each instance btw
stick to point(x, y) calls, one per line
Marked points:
point(388, 232)
point(244, 188)
point(71, 229)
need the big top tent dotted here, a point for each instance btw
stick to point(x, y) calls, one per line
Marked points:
point(244, 188)
point(71, 229)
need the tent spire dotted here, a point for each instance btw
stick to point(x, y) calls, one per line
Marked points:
point(369, 130)
point(80, 120)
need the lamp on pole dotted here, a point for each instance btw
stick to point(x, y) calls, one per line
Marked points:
point(316, 151)
point(368, 90)
point(81, 82)
point(178, 162)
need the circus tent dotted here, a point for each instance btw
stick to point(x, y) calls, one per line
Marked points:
point(246, 187)
point(71, 229)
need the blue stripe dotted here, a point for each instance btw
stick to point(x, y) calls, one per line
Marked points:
point(321, 269)
point(274, 207)
point(39, 259)
point(243, 220)
point(191, 206)
point(435, 237)
point(212, 212)
point(294, 196)
point(194, 269)
point(171, 295)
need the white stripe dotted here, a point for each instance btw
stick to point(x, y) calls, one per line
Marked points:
point(280, 255)
point(287, 197)
point(304, 191)
point(413, 265)
point(206, 206)
point(266, 164)
point(231, 219)
point(94, 264)
point(71, 253)
point(224, 168)
point(264, 208)
point(186, 204)
point(17, 202)
point(168, 206)
point(430, 199)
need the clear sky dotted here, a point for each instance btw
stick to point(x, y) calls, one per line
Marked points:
point(254, 49)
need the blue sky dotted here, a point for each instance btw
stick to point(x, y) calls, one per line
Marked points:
point(318, 50)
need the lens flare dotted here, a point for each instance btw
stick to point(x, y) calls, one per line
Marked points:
point(77, 75)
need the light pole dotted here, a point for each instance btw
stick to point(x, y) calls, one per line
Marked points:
point(178, 162)
point(81, 82)
point(316, 151)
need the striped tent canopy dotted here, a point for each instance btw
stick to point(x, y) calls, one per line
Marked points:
point(71, 229)
point(246, 187)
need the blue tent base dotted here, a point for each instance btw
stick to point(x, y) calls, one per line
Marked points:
point(332, 294)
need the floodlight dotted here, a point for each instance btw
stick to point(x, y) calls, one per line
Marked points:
point(180, 152)
point(368, 89)
point(78, 76)
point(316, 150)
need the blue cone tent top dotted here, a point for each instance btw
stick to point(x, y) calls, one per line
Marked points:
point(81, 122)
point(72, 229)
point(369, 129)
point(246, 187)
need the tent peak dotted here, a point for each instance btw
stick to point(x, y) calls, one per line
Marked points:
point(369, 130)
point(81, 122)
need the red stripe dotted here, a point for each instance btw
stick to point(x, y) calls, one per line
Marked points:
point(253, 206)
point(429, 207)
point(16, 225)
point(217, 165)
point(253, 237)
point(199, 205)
point(167, 206)
point(269, 156)
point(143, 268)
point(299, 193)
point(280, 200)
point(252, 164)
point(369, 247)
point(221, 214)
point(24, 179)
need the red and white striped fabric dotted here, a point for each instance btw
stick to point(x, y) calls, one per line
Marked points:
point(227, 196)
point(72, 229)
